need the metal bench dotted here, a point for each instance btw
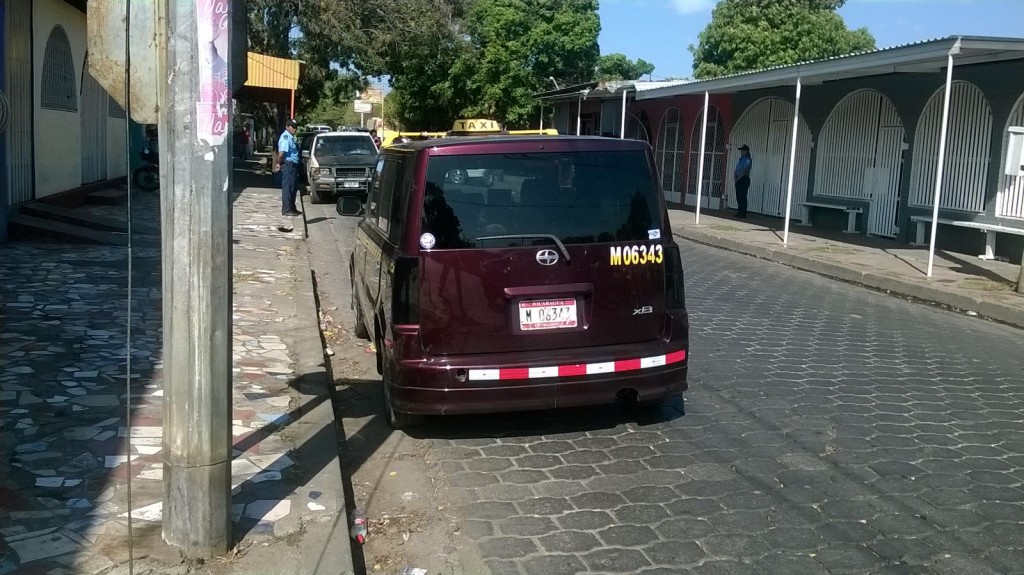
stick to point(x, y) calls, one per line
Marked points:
point(851, 214)
point(990, 231)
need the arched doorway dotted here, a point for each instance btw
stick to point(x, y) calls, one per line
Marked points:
point(860, 157)
point(766, 127)
point(1010, 198)
point(714, 160)
point(669, 154)
point(637, 127)
point(965, 171)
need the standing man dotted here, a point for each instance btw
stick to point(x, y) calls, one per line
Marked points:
point(288, 163)
point(245, 143)
point(742, 180)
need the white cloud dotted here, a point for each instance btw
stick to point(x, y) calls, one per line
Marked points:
point(693, 6)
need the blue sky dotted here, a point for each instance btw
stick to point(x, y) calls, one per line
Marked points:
point(659, 31)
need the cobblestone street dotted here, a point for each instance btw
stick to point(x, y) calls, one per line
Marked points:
point(828, 429)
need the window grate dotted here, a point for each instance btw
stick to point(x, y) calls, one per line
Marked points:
point(58, 91)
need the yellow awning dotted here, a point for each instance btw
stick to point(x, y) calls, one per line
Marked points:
point(271, 72)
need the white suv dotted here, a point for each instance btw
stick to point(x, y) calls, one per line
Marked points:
point(340, 165)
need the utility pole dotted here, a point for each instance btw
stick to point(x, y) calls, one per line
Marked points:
point(193, 39)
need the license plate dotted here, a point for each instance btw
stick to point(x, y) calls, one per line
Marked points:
point(350, 184)
point(547, 314)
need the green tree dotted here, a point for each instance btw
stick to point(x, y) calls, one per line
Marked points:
point(329, 36)
point(748, 35)
point(618, 67)
point(515, 46)
point(419, 61)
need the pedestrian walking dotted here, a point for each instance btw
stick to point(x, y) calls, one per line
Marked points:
point(246, 143)
point(742, 180)
point(288, 163)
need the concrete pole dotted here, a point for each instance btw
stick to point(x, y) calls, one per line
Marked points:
point(700, 161)
point(942, 157)
point(1020, 275)
point(195, 203)
point(579, 114)
point(622, 125)
point(792, 163)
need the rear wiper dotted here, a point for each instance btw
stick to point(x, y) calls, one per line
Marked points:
point(555, 239)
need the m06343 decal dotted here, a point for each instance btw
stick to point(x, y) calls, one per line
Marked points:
point(637, 255)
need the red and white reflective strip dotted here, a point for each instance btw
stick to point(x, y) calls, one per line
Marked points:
point(577, 369)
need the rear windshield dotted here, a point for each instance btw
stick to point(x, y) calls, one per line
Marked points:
point(339, 146)
point(578, 197)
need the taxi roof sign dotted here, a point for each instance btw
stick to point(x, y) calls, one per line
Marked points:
point(476, 126)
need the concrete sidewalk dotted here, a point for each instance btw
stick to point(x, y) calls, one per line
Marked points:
point(959, 281)
point(64, 418)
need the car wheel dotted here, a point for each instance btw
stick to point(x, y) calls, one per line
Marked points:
point(654, 406)
point(359, 328)
point(397, 419)
point(147, 178)
point(315, 196)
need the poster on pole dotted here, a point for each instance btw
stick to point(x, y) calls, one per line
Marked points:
point(362, 106)
point(214, 107)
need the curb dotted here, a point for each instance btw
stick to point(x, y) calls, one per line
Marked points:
point(997, 311)
point(332, 553)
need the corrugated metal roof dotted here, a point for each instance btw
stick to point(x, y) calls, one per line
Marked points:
point(271, 72)
point(644, 86)
point(605, 90)
point(924, 55)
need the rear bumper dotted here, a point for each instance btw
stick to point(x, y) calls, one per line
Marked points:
point(441, 385)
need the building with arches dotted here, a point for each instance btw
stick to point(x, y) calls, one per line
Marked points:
point(63, 131)
point(866, 149)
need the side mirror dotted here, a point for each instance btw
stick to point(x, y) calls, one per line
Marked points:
point(305, 154)
point(349, 206)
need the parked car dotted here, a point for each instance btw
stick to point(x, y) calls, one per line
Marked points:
point(559, 286)
point(339, 165)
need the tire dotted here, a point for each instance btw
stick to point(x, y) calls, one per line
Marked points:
point(147, 178)
point(654, 406)
point(359, 329)
point(397, 419)
point(315, 196)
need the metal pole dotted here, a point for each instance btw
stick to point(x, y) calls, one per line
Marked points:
point(792, 163)
point(195, 159)
point(622, 127)
point(579, 113)
point(291, 108)
point(942, 157)
point(3, 140)
point(542, 116)
point(700, 162)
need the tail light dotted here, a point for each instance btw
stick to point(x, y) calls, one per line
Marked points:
point(675, 293)
point(406, 291)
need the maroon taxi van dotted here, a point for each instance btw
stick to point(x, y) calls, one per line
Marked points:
point(512, 273)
